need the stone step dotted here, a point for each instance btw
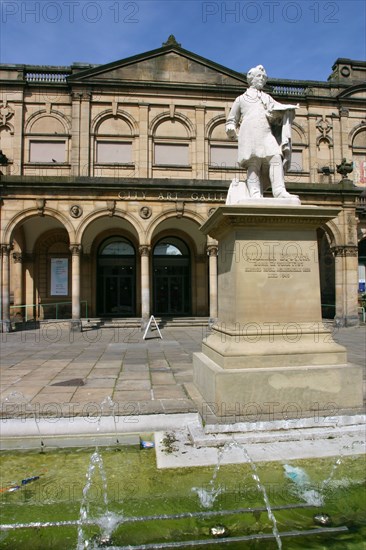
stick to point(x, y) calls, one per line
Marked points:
point(135, 322)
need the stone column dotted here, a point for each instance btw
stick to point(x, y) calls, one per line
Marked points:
point(75, 280)
point(18, 281)
point(212, 269)
point(5, 260)
point(29, 285)
point(145, 283)
point(346, 273)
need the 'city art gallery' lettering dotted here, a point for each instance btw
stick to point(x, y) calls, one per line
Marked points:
point(208, 196)
point(133, 195)
point(129, 195)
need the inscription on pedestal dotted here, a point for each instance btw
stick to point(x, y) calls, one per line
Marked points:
point(278, 265)
point(282, 267)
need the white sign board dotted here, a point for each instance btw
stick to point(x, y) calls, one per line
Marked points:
point(152, 320)
point(59, 276)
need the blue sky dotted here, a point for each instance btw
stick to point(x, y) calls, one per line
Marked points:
point(293, 39)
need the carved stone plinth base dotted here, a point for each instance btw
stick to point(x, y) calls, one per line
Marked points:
point(278, 393)
point(255, 345)
point(269, 344)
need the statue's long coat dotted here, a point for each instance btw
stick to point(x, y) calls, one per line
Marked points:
point(264, 127)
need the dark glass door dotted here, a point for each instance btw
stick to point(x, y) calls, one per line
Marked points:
point(116, 290)
point(116, 278)
point(172, 296)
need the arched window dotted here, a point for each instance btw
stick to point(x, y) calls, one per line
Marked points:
point(171, 247)
point(117, 247)
point(298, 147)
point(113, 141)
point(171, 144)
point(47, 141)
point(223, 153)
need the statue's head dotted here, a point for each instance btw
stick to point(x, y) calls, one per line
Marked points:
point(257, 77)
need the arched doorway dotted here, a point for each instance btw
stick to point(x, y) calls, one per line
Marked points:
point(171, 278)
point(116, 278)
point(327, 276)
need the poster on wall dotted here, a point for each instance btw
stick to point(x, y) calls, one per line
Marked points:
point(59, 276)
point(361, 278)
point(359, 175)
point(363, 171)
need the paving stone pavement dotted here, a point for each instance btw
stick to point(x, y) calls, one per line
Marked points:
point(102, 371)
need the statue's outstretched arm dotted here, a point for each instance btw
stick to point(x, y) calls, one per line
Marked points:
point(233, 120)
point(276, 106)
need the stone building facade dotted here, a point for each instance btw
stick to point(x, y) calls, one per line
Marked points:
point(108, 172)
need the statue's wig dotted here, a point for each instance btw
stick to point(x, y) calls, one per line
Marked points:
point(254, 71)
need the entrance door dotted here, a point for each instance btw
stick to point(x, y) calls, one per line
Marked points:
point(327, 276)
point(116, 278)
point(171, 278)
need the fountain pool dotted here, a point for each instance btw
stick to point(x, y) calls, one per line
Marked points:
point(116, 497)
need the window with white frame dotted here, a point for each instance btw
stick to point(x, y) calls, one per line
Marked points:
point(47, 151)
point(223, 156)
point(113, 152)
point(222, 153)
point(169, 154)
point(296, 161)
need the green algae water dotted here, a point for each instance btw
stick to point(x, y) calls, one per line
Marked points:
point(113, 489)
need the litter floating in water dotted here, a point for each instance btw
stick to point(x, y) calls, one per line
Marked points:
point(102, 541)
point(147, 444)
point(322, 519)
point(296, 474)
point(29, 480)
point(25, 481)
point(219, 531)
point(303, 485)
point(10, 489)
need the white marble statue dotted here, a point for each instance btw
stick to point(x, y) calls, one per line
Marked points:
point(262, 127)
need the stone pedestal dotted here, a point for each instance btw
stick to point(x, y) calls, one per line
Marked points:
point(269, 352)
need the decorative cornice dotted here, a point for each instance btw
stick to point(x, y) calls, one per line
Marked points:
point(230, 218)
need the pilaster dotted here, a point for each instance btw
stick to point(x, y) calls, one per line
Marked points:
point(145, 251)
point(76, 250)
